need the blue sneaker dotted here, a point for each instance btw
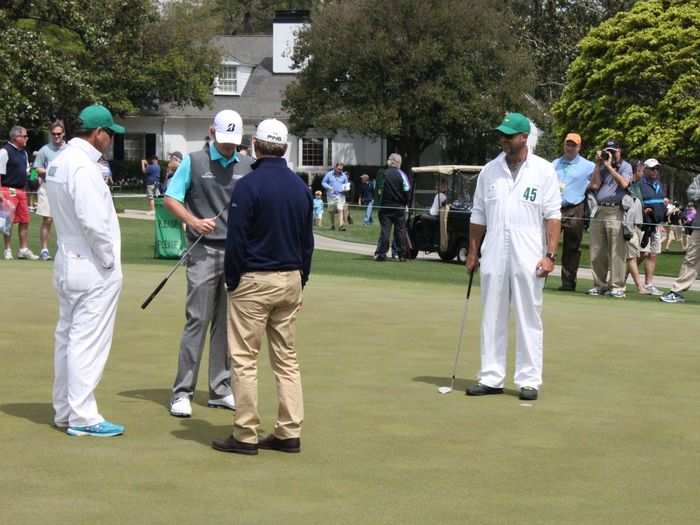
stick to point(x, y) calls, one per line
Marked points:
point(104, 429)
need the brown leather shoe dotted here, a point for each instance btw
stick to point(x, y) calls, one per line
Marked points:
point(231, 444)
point(291, 445)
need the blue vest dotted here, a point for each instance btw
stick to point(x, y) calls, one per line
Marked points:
point(653, 192)
point(16, 170)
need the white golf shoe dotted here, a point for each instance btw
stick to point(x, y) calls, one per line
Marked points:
point(225, 402)
point(26, 253)
point(181, 407)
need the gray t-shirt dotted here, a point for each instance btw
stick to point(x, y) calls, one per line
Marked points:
point(609, 190)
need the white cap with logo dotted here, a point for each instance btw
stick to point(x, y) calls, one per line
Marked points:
point(651, 163)
point(228, 127)
point(272, 130)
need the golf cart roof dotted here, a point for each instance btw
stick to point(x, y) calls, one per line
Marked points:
point(447, 169)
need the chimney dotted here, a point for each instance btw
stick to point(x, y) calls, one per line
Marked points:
point(285, 27)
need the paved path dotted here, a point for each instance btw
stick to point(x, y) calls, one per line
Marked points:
point(334, 245)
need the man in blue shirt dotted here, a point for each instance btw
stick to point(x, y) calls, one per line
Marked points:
point(335, 182)
point(198, 194)
point(574, 174)
point(151, 178)
point(268, 259)
point(47, 154)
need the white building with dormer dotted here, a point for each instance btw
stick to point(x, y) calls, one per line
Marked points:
point(255, 72)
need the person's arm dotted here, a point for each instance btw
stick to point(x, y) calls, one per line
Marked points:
point(551, 210)
point(328, 187)
point(239, 220)
point(693, 190)
point(477, 225)
point(3, 167)
point(594, 185)
point(144, 165)
point(40, 163)
point(307, 246)
point(93, 218)
point(621, 180)
point(553, 230)
point(175, 195)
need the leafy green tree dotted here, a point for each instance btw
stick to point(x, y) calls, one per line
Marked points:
point(637, 79)
point(252, 16)
point(552, 31)
point(61, 54)
point(412, 71)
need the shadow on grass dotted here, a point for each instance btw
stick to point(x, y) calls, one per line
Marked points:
point(201, 431)
point(39, 413)
point(161, 396)
point(460, 384)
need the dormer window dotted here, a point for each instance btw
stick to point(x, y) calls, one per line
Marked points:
point(227, 81)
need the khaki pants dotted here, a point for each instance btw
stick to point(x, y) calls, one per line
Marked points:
point(265, 303)
point(691, 264)
point(608, 249)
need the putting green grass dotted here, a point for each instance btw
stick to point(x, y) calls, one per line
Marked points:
point(614, 437)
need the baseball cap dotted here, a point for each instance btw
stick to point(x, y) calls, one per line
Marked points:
point(514, 123)
point(573, 137)
point(612, 144)
point(177, 155)
point(97, 116)
point(271, 130)
point(651, 163)
point(228, 127)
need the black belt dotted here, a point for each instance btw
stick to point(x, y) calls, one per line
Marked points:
point(609, 204)
point(568, 205)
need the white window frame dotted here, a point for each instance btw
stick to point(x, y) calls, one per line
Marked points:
point(219, 82)
point(138, 152)
point(326, 153)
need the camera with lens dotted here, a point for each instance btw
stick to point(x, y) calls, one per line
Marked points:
point(606, 154)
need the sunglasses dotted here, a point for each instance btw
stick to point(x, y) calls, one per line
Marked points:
point(108, 131)
point(57, 134)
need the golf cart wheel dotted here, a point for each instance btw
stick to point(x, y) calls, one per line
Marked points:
point(447, 255)
point(462, 254)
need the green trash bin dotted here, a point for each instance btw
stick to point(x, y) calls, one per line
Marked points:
point(171, 242)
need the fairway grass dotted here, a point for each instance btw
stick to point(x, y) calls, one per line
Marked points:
point(614, 438)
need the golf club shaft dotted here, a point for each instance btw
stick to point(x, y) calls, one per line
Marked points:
point(461, 329)
point(177, 265)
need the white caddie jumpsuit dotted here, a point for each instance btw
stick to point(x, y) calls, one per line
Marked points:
point(513, 212)
point(87, 278)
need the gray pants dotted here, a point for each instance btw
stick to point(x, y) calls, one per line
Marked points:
point(205, 309)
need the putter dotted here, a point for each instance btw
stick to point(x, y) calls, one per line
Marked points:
point(448, 389)
point(177, 265)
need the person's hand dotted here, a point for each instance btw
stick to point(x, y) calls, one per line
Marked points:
point(544, 267)
point(203, 226)
point(648, 211)
point(472, 262)
point(599, 157)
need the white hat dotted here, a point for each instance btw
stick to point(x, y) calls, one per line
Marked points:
point(651, 163)
point(272, 130)
point(228, 127)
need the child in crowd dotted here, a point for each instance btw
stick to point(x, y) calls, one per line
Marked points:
point(318, 208)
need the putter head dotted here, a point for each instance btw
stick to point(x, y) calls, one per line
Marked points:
point(445, 389)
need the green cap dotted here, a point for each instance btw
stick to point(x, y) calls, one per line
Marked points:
point(514, 123)
point(96, 116)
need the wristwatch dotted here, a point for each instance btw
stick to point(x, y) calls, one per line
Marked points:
point(551, 257)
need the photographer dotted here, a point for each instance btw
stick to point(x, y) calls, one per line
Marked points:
point(653, 193)
point(610, 179)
